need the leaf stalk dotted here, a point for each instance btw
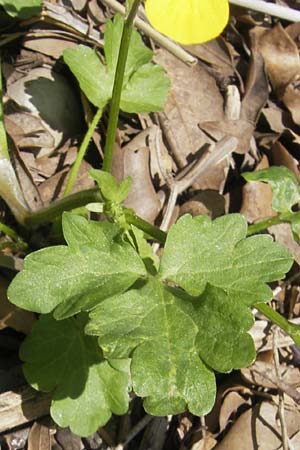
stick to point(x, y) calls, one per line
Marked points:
point(117, 89)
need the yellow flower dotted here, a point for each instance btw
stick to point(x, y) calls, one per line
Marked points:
point(188, 21)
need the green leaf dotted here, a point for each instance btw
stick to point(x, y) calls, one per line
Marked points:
point(155, 328)
point(109, 187)
point(23, 9)
point(199, 251)
point(87, 389)
point(96, 264)
point(146, 90)
point(223, 321)
point(286, 192)
point(92, 76)
point(145, 85)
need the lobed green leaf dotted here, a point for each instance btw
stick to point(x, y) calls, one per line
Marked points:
point(87, 389)
point(145, 85)
point(155, 328)
point(95, 265)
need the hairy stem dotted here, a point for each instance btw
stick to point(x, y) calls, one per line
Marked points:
point(117, 89)
point(82, 150)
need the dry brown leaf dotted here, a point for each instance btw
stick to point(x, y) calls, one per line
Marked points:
point(263, 374)
point(68, 440)
point(39, 437)
point(257, 198)
point(283, 235)
point(50, 97)
point(282, 157)
point(133, 160)
point(53, 47)
point(231, 403)
point(193, 98)
point(218, 54)
point(10, 315)
point(206, 202)
point(259, 428)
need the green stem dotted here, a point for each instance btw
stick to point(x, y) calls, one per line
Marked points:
point(13, 235)
point(151, 230)
point(291, 329)
point(48, 214)
point(3, 139)
point(118, 85)
point(81, 152)
point(264, 224)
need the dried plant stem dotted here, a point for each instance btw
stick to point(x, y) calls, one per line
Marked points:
point(284, 434)
point(283, 12)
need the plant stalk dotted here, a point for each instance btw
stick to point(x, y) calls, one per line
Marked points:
point(291, 329)
point(82, 150)
point(118, 85)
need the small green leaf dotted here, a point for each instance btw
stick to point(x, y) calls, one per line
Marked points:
point(286, 192)
point(94, 266)
point(109, 187)
point(59, 357)
point(157, 330)
point(23, 9)
point(92, 76)
point(146, 90)
point(199, 251)
point(145, 85)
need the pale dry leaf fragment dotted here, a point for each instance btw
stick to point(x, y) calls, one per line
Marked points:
point(259, 428)
point(282, 157)
point(282, 233)
point(257, 198)
point(39, 437)
point(50, 46)
point(207, 443)
point(231, 403)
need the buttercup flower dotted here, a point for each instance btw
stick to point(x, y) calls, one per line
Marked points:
point(188, 21)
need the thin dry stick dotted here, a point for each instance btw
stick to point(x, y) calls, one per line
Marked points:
point(284, 435)
point(283, 12)
point(180, 183)
point(161, 40)
point(135, 430)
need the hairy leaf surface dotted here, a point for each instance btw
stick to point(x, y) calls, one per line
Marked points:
point(156, 329)
point(145, 86)
point(199, 251)
point(94, 265)
point(87, 389)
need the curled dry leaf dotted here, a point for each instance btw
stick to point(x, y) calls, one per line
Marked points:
point(259, 428)
point(282, 62)
point(50, 97)
point(257, 198)
point(231, 403)
point(134, 160)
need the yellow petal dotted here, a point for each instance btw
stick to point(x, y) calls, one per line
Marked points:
point(188, 21)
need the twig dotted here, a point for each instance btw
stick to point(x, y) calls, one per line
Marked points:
point(161, 40)
point(134, 431)
point(284, 434)
point(182, 182)
point(283, 12)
